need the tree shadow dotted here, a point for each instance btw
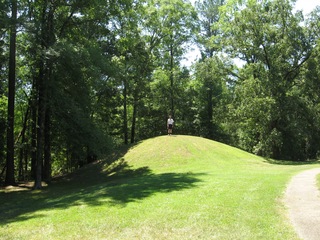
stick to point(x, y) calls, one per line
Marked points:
point(144, 183)
point(117, 185)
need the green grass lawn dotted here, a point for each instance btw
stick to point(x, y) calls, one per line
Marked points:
point(169, 187)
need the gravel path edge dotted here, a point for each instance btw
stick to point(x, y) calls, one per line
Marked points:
point(302, 199)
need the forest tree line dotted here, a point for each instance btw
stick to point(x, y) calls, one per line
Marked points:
point(79, 77)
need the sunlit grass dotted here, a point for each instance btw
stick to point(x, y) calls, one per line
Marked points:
point(177, 187)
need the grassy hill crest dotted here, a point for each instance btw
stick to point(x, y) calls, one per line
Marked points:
point(164, 151)
point(178, 153)
point(167, 187)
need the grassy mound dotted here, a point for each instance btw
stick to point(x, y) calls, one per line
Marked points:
point(169, 187)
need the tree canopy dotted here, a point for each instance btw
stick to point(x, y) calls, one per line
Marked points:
point(79, 78)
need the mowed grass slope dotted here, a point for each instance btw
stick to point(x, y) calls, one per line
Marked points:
point(169, 187)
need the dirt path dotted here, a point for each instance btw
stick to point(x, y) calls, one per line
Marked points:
point(302, 198)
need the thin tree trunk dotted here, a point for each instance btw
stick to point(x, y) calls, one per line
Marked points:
point(134, 117)
point(210, 112)
point(34, 129)
point(10, 178)
point(47, 147)
point(171, 80)
point(21, 166)
point(125, 114)
point(22, 135)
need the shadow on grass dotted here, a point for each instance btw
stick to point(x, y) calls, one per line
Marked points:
point(117, 185)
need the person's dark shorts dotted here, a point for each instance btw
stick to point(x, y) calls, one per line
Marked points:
point(170, 126)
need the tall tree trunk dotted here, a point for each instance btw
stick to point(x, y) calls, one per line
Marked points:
point(40, 129)
point(40, 85)
point(48, 78)
point(45, 69)
point(10, 178)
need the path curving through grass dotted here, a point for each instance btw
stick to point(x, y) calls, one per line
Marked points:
point(303, 201)
point(168, 187)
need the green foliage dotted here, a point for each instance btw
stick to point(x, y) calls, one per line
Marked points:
point(208, 13)
point(112, 72)
point(212, 97)
point(252, 114)
point(170, 26)
point(3, 114)
point(3, 124)
point(72, 105)
point(3, 83)
point(274, 45)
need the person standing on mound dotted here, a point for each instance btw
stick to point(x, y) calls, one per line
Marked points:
point(170, 125)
